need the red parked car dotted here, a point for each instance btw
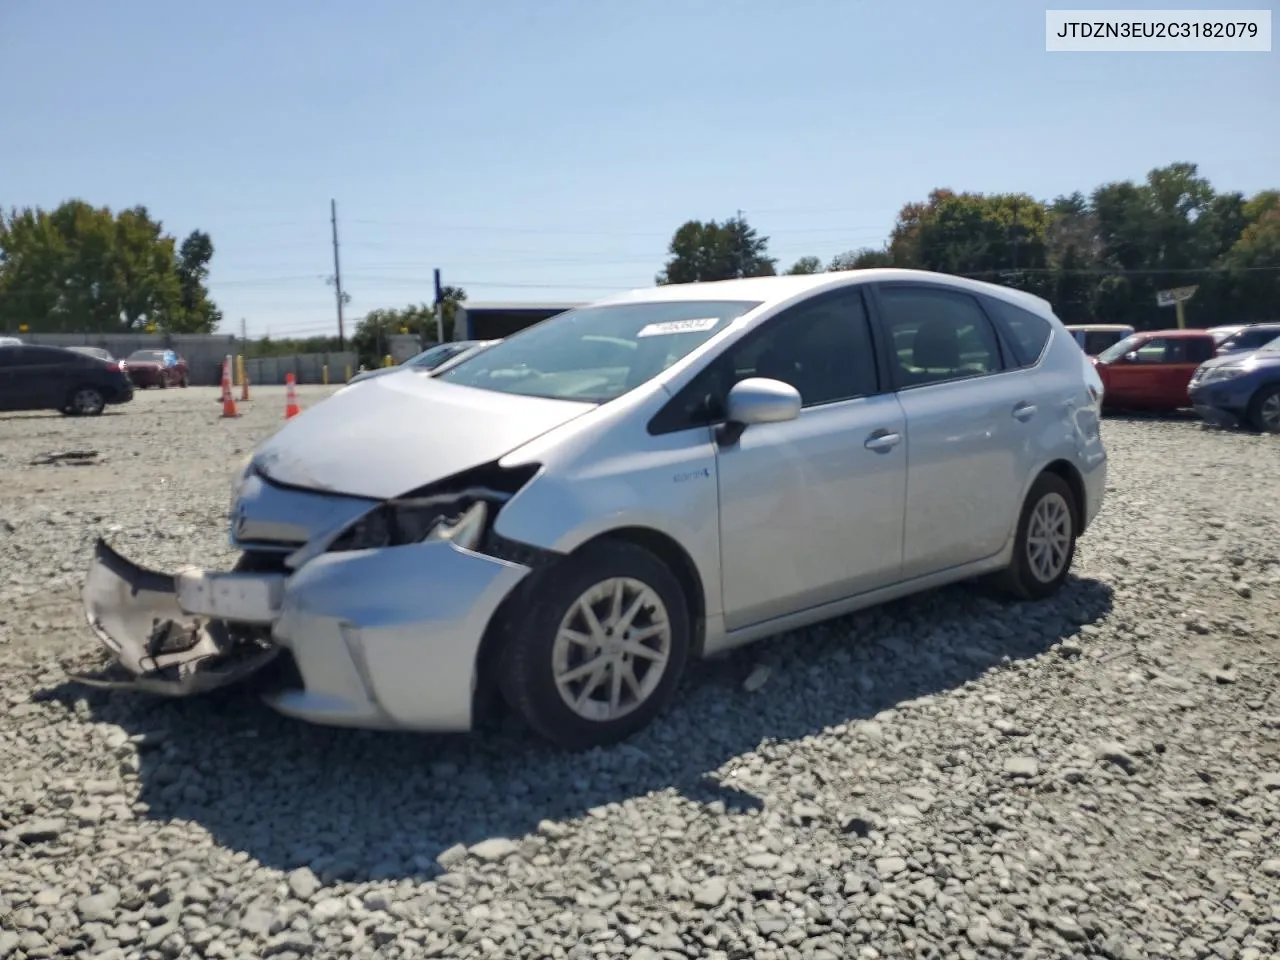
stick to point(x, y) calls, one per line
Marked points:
point(157, 368)
point(1151, 370)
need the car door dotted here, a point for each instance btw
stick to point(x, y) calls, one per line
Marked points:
point(1183, 356)
point(811, 509)
point(8, 381)
point(972, 419)
point(39, 378)
point(1131, 379)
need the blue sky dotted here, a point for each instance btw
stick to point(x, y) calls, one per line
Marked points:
point(547, 149)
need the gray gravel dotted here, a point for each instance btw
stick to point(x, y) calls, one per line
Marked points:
point(1095, 776)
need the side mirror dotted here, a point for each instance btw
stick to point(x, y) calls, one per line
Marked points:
point(758, 400)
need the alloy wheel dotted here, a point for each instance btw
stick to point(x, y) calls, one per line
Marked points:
point(611, 649)
point(1269, 413)
point(1049, 537)
point(87, 401)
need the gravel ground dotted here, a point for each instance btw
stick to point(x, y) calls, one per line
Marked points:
point(1094, 776)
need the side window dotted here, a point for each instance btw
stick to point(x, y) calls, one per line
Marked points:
point(36, 356)
point(1027, 333)
point(1200, 349)
point(1257, 338)
point(938, 335)
point(822, 347)
point(1156, 350)
point(1098, 340)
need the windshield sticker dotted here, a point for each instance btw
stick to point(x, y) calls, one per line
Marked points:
point(678, 326)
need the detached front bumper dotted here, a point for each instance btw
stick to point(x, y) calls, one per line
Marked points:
point(379, 638)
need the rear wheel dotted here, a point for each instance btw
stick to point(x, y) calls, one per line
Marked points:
point(1045, 544)
point(601, 648)
point(86, 402)
point(1264, 410)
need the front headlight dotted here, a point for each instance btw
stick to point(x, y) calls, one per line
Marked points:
point(398, 523)
point(1216, 374)
point(243, 472)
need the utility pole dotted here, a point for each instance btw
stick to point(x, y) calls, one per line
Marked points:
point(337, 271)
point(1013, 229)
point(439, 308)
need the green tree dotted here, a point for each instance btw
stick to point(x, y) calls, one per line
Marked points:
point(83, 268)
point(805, 265)
point(1253, 262)
point(861, 259)
point(198, 311)
point(373, 332)
point(716, 251)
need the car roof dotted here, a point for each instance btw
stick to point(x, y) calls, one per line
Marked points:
point(1173, 333)
point(1100, 327)
point(770, 291)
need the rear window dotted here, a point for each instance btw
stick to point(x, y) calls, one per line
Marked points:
point(1026, 332)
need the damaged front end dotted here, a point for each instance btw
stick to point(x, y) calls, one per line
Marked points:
point(182, 634)
point(348, 600)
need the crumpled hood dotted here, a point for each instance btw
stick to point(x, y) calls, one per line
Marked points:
point(388, 435)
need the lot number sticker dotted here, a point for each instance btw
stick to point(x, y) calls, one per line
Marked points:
point(677, 326)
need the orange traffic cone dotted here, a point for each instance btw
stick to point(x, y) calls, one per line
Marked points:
point(290, 397)
point(228, 401)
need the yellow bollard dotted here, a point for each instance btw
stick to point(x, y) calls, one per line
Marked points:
point(324, 374)
point(386, 361)
point(348, 380)
point(240, 370)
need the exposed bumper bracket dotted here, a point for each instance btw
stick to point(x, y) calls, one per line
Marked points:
point(163, 647)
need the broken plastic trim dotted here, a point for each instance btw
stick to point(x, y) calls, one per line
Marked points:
point(160, 648)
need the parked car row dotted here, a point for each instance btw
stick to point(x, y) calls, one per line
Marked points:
point(428, 360)
point(1230, 380)
point(52, 378)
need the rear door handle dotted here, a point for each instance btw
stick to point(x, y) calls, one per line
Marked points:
point(1024, 411)
point(882, 441)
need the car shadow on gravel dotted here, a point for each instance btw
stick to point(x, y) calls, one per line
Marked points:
point(358, 805)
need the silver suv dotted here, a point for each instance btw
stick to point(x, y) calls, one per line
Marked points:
point(572, 514)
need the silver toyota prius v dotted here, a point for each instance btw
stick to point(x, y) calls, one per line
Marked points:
point(568, 517)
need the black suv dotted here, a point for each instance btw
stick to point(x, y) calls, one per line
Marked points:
point(50, 378)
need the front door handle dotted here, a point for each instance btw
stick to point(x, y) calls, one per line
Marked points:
point(882, 441)
point(1024, 411)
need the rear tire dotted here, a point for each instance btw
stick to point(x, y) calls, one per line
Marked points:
point(1045, 544)
point(1264, 410)
point(600, 647)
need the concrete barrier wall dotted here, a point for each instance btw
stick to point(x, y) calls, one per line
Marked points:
point(204, 354)
point(306, 367)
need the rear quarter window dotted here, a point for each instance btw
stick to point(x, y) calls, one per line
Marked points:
point(1025, 332)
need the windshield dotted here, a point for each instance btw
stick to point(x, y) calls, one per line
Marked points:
point(1271, 346)
point(1118, 350)
point(147, 356)
point(430, 359)
point(596, 354)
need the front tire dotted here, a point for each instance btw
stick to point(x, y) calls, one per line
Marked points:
point(600, 648)
point(1045, 544)
point(87, 402)
point(1264, 410)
